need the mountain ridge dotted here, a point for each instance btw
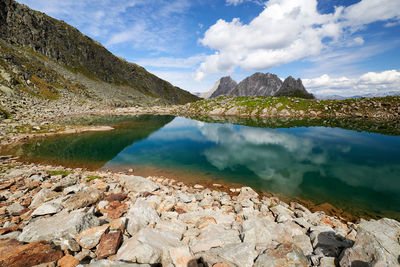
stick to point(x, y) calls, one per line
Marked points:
point(111, 79)
point(260, 84)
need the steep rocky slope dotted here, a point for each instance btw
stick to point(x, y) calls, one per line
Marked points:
point(223, 86)
point(294, 88)
point(48, 59)
point(258, 84)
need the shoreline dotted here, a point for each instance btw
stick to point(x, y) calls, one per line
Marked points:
point(38, 198)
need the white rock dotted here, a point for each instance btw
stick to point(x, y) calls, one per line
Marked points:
point(138, 184)
point(46, 209)
point(140, 215)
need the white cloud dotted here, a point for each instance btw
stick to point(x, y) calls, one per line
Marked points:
point(238, 2)
point(368, 83)
point(286, 31)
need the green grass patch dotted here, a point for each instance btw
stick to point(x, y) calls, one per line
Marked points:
point(62, 173)
point(90, 178)
point(6, 167)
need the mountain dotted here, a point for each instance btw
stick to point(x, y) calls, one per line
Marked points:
point(47, 58)
point(258, 84)
point(294, 88)
point(223, 86)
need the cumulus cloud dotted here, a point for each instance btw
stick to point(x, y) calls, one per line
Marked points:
point(286, 31)
point(368, 83)
point(238, 2)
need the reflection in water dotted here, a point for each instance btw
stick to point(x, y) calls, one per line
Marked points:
point(349, 169)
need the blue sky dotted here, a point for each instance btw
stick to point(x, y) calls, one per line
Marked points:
point(343, 47)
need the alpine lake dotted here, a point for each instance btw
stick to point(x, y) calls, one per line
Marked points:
point(350, 166)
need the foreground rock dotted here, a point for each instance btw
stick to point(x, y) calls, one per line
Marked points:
point(121, 220)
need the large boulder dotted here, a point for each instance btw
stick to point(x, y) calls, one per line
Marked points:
point(377, 244)
point(138, 184)
point(147, 246)
point(140, 215)
point(284, 255)
point(60, 228)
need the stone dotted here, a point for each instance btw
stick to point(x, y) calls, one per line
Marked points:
point(175, 227)
point(115, 209)
point(304, 243)
point(140, 215)
point(30, 254)
point(138, 184)
point(8, 245)
point(327, 262)
point(58, 227)
point(284, 255)
point(46, 209)
point(7, 230)
point(109, 263)
point(212, 236)
point(67, 261)
point(377, 244)
point(241, 254)
point(147, 246)
point(255, 231)
point(247, 193)
point(118, 224)
point(109, 244)
point(15, 208)
point(328, 242)
point(178, 256)
point(91, 237)
point(116, 197)
point(83, 198)
point(43, 196)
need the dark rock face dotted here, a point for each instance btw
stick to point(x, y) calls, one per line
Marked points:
point(225, 85)
point(258, 84)
point(294, 88)
point(58, 41)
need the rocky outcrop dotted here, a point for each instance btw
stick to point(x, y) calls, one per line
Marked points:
point(377, 244)
point(59, 60)
point(258, 84)
point(294, 88)
point(172, 225)
point(223, 87)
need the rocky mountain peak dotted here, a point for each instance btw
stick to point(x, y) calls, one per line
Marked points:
point(223, 86)
point(258, 84)
point(293, 87)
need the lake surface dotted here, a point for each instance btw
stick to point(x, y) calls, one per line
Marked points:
point(355, 171)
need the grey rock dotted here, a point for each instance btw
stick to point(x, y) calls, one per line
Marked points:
point(146, 246)
point(212, 236)
point(83, 198)
point(284, 255)
point(140, 215)
point(15, 208)
point(327, 262)
point(43, 196)
point(236, 255)
point(58, 226)
point(138, 184)
point(327, 242)
point(377, 244)
point(303, 242)
point(46, 209)
point(108, 263)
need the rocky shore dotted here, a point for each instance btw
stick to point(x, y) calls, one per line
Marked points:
point(54, 216)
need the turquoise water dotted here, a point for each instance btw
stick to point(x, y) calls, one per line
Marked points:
point(354, 171)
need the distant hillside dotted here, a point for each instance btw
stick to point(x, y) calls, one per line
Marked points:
point(259, 84)
point(370, 95)
point(47, 58)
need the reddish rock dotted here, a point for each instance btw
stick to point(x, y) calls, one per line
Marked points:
point(30, 254)
point(26, 202)
point(6, 185)
point(115, 209)
point(67, 261)
point(8, 230)
point(221, 264)
point(31, 185)
point(147, 194)
point(116, 197)
point(180, 210)
point(109, 244)
point(7, 245)
point(19, 213)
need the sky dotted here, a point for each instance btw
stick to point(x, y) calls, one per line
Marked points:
point(337, 47)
